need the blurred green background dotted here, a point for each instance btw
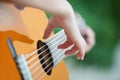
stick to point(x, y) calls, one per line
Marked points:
point(103, 16)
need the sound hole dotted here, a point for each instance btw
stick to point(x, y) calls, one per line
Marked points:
point(45, 57)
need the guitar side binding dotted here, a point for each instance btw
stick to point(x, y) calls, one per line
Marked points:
point(14, 55)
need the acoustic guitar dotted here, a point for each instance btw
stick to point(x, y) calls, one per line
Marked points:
point(26, 56)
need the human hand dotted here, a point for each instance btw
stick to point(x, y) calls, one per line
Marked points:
point(86, 31)
point(89, 36)
point(72, 35)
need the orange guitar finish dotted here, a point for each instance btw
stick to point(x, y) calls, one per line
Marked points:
point(35, 22)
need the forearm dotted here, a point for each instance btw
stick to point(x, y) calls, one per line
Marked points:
point(57, 7)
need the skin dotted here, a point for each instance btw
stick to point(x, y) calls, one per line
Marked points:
point(10, 18)
point(86, 32)
point(64, 17)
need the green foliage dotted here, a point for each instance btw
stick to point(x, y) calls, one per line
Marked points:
point(99, 15)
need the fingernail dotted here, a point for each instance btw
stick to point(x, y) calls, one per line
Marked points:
point(82, 57)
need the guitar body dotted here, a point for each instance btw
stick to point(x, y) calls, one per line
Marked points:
point(25, 40)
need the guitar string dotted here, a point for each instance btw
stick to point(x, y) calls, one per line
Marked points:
point(41, 53)
point(45, 45)
point(48, 66)
point(30, 67)
point(55, 60)
point(33, 72)
point(51, 68)
point(32, 53)
point(46, 61)
point(29, 61)
point(54, 64)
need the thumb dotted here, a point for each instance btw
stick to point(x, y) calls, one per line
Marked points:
point(48, 30)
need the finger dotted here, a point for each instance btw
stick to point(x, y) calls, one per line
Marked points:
point(80, 56)
point(66, 44)
point(78, 40)
point(82, 46)
point(90, 40)
point(90, 43)
point(48, 30)
point(81, 53)
point(71, 51)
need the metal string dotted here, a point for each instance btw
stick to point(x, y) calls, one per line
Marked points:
point(29, 61)
point(63, 38)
